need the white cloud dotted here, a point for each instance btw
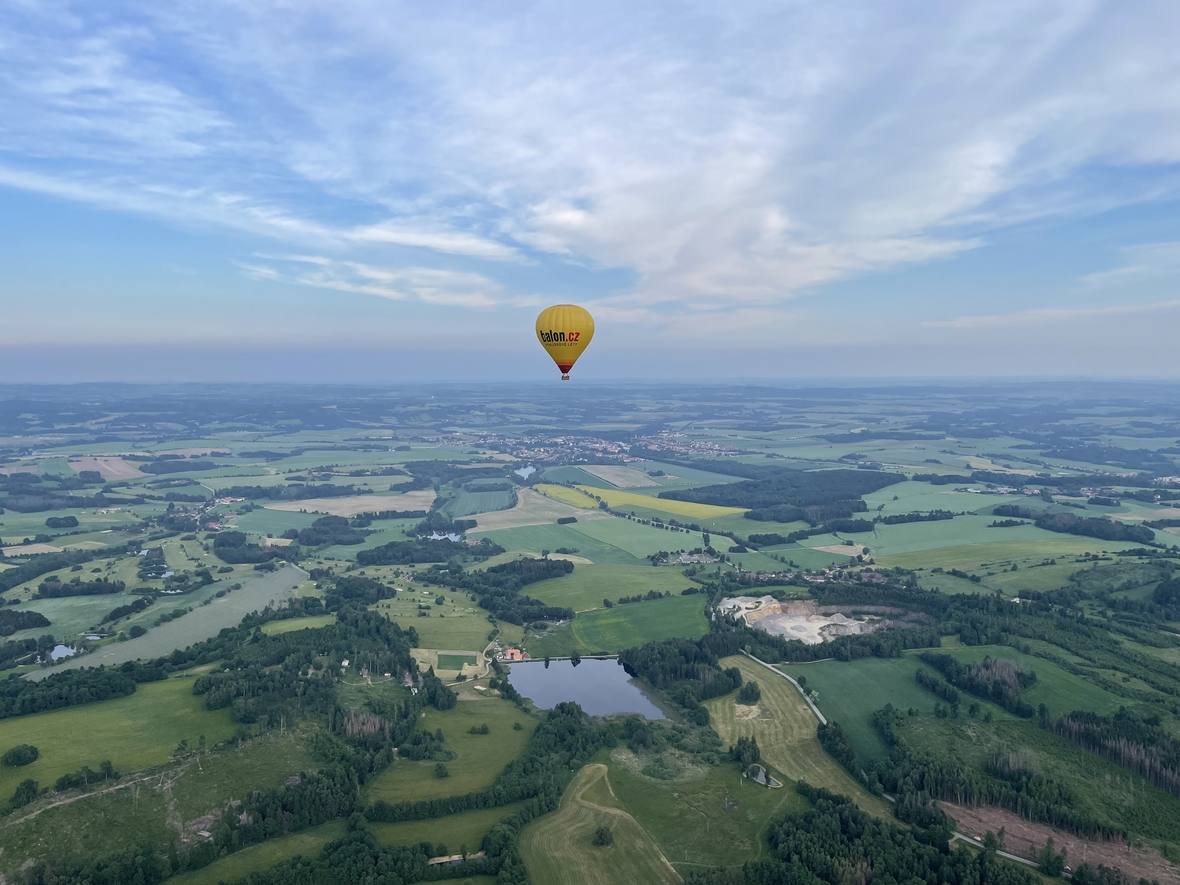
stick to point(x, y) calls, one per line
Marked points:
point(1047, 315)
point(424, 284)
point(723, 155)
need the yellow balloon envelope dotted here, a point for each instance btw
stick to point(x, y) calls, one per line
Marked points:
point(565, 330)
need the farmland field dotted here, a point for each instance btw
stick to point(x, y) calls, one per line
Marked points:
point(621, 500)
point(134, 732)
point(620, 477)
point(452, 832)
point(479, 758)
point(351, 505)
point(610, 630)
point(532, 508)
point(557, 848)
point(290, 625)
point(585, 587)
point(457, 624)
point(201, 623)
point(784, 727)
point(566, 495)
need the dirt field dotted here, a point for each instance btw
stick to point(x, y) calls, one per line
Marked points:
point(110, 467)
point(353, 504)
point(30, 549)
point(623, 477)
point(531, 508)
point(1026, 838)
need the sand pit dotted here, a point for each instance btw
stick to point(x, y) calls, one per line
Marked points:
point(804, 620)
point(351, 505)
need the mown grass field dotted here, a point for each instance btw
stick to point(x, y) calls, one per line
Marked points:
point(709, 815)
point(557, 848)
point(470, 501)
point(611, 630)
point(459, 624)
point(290, 625)
point(785, 728)
point(588, 585)
point(134, 732)
point(452, 833)
point(977, 557)
point(620, 499)
point(261, 857)
point(479, 759)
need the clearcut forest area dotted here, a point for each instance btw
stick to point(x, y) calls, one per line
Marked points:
point(271, 635)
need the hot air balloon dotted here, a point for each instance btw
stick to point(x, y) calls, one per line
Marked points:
point(565, 330)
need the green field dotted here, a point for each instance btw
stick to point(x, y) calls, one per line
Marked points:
point(710, 814)
point(453, 832)
point(261, 857)
point(611, 630)
point(619, 499)
point(557, 848)
point(290, 625)
point(134, 732)
point(479, 759)
point(1100, 788)
point(612, 540)
point(470, 501)
point(565, 494)
point(784, 727)
point(458, 624)
point(455, 662)
point(588, 585)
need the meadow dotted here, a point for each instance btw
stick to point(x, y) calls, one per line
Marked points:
point(586, 587)
point(784, 727)
point(135, 732)
point(557, 848)
point(454, 832)
point(261, 857)
point(611, 630)
point(479, 758)
point(290, 625)
point(707, 815)
point(456, 625)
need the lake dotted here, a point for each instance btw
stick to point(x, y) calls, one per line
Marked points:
point(600, 687)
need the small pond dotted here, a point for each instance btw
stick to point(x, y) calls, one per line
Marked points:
point(600, 687)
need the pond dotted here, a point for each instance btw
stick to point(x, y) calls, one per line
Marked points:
point(600, 687)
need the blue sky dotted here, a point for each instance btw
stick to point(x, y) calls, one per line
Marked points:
point(390, 191)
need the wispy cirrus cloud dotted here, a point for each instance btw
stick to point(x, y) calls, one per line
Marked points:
point(727, 156)
point(1048, 315)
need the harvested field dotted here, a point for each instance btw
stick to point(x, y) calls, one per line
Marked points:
point(623, 477)
point(9, 469)
point(567, 495)
point(277, 542)
point(1025, 838)
point(805, 620)
point(845, 549)
point(557, 848)
point(112, 467)
point(532, 508)
point(351, 505)
point(29, 549)
point(784, 727)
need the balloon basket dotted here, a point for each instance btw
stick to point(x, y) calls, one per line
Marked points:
point(565, 376)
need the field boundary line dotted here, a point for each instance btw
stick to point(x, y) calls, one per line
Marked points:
point(791, 679)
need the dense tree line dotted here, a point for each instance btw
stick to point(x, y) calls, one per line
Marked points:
point(835, 842)
point(1071, 524)
point(11, 621)
point(916, 779)
point(61, 522)
point(424, 550)
point(916, 516)
point(35, 566)
point(236, 549)
point(938, 686)
point(1137, 743)
point(53, 588)
point(833, 739)
point(685, 670)
point(327, 530)
point(290, 492)
point(498, 589)
point(1000, 682)
point(130, 608)
point(776, 486)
